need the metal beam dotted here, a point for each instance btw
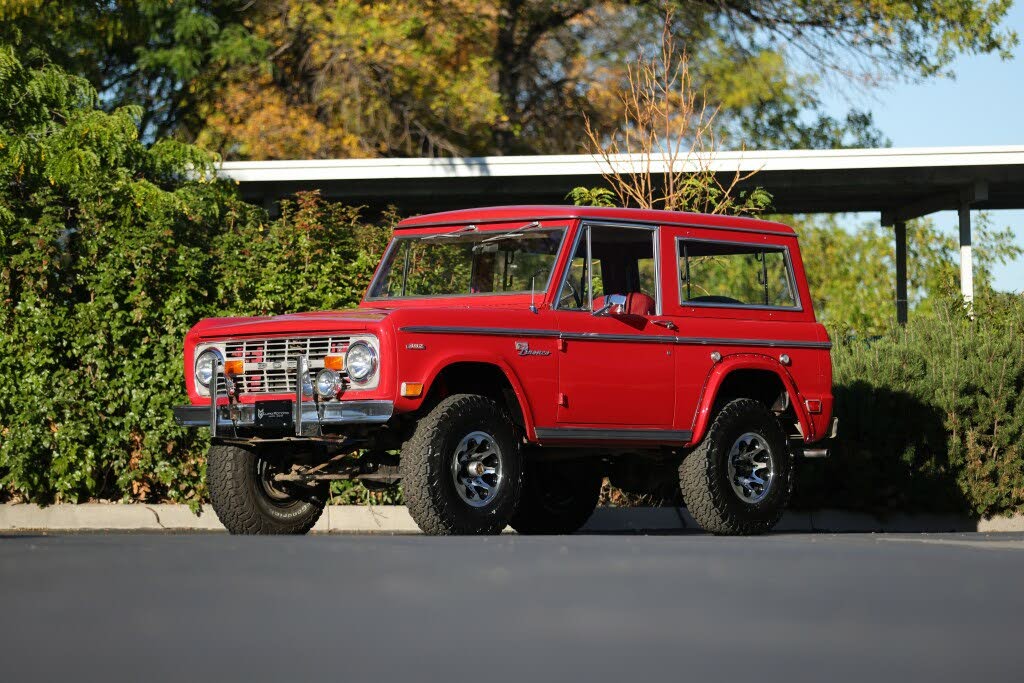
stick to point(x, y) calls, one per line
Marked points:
point(976, 192)
point(901, 272)
point(922, 207)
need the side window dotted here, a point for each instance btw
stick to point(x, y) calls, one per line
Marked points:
point(611, 260)
point(735, 274)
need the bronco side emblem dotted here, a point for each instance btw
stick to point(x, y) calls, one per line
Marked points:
point(523, 349)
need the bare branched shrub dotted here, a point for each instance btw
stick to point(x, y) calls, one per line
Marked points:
point(668, 133)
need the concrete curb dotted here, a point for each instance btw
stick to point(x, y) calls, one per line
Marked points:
point(396, 520)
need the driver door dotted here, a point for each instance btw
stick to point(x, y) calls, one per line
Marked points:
point(617, 367)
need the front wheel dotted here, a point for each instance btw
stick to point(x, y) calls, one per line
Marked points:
point(738, 480)
point(461, 470)
point(248, 500)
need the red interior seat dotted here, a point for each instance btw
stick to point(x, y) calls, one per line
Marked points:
point(637, 303)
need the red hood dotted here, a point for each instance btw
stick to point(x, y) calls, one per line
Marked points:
point(298, 323)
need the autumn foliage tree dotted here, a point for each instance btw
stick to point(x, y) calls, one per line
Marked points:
point(350, 79)
point(332, 78)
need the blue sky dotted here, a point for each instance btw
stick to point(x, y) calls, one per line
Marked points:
point(983, 106)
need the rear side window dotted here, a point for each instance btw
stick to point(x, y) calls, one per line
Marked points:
point(730, 274)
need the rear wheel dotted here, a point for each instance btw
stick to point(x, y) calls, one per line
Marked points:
point(461, 470)
point(248, 500)
point(557, 497)
point(738, 480)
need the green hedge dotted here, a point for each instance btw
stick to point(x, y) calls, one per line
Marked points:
point(931, 416)
point(110, 250)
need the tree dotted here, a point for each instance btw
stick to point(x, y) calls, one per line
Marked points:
point(169, 58)
point(270, 78)
point(358, 79)
point(851, 271)
point(664, 127)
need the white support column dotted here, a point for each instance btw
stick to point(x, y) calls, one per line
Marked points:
point(966, 261)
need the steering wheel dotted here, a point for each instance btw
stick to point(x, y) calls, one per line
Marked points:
point(714, 299)
point(573, 292)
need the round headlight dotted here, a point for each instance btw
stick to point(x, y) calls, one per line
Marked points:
point(206, 363)
point(328, 382)
point(360, 361)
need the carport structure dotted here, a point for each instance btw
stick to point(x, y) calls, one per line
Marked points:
point(898, 184)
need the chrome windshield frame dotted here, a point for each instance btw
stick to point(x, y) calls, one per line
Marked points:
point(386, 263)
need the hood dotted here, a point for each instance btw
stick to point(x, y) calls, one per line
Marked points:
point(318, 322)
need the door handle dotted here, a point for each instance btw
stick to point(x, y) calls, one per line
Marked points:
point(667, 324)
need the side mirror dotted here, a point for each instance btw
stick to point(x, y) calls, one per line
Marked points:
point(613, 303)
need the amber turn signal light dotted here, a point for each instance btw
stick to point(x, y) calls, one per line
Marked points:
point(412, 389)
point(336, 363)
point(234, 367)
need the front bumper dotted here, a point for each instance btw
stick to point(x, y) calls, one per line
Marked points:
point(306, 422)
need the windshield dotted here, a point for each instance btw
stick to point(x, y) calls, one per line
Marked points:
point(466, 262)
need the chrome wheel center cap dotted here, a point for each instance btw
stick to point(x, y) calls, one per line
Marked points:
point(476, 469)
point(751, 467)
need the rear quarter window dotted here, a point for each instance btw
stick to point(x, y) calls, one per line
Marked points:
point(735, 274)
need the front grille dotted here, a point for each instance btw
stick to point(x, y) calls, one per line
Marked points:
point(270, 364)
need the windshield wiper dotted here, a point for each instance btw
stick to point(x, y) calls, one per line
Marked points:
point(453, 233)
point(512, 234)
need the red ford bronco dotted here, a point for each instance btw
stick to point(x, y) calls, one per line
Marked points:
point(505, 360)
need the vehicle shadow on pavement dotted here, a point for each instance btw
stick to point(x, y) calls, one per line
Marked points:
point(892, 456)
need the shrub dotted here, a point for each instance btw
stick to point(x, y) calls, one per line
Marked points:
point(110, 250)
point(317, 255)
point(931, 416)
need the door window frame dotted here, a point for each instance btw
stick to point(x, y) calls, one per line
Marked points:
point(584, 227)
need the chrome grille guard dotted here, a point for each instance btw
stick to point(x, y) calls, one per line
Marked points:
point(309, 417)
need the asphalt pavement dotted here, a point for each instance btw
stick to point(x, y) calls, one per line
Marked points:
point(784, 607)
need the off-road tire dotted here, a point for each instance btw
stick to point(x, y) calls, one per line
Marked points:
point(241, 503)
point(556, 498)
point(703, 474)
point(426, 462)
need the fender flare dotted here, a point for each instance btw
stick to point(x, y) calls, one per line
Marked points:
point(747, 361)
point(513, 379)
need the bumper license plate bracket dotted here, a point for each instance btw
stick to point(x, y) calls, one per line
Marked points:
point(276, 414)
